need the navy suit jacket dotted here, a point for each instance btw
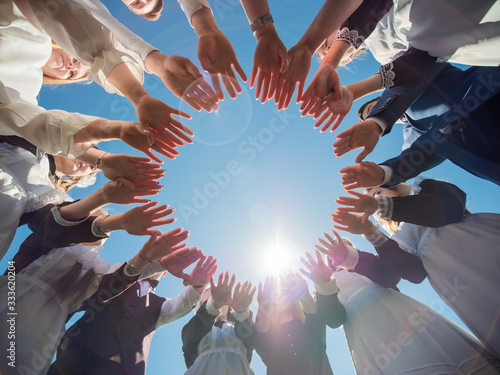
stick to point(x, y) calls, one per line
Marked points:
point(441, 115)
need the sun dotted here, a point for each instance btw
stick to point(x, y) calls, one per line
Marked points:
point(276, 259)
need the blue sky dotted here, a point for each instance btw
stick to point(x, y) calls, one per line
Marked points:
point(255, 179)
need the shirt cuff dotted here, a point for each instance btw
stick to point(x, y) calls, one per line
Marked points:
point(351, 260)
point(63, 222)
point(241, 316)
point(130, 270)
point(382, 122)
point(191, 6)
point(96, 227)
point(350, 36)
point(377, 239)
point(385, 207)
point(152, 269)
point(328, 288)
point(104, 65)
point(211, 309)
point(387, 174)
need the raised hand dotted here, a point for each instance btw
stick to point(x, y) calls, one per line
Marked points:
point(335, 109)
point(139, 220)
point(268, 292)
point(270, 59)
point(364, 134)
point(335, 249)
point(299, 57)
point(122, 191)
point(183, 79)
point(217, 57)
point(361, 203)
point(242, 296)
point(177, 261)
point(221, 293)
point(130, 167)
point(365, 174)
point(144, 139)
point(159, 246)
point(202, 272)
point(317, 270)
point(352, 223)
point(157, 115)
point(326, 81)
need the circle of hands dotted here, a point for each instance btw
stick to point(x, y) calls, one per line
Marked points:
point(276, 73)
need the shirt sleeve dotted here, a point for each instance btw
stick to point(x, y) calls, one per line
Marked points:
point(176, 308)
point(363, 21)
point(80, 34)
point(51, 131)
point(191, 6)
point(132, 43)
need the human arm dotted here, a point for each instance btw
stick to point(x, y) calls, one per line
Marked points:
point(80, 34)
point(438, 203)
point(119, 191)
point(270, 57)
point(151, 112)
point(337, 109)
point(121, 165)
point(183, 79)
point(328, 307)
point(216, 54)
point(177, 307)
point(202, 273)
point(137, 221)
point(365, 174)
point(266, 299)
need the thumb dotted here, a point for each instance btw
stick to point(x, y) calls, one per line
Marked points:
point(284, 60)
point(364, 218)
point(145, 130)
point(193, 70)
point(363, 154)
point(337, 92)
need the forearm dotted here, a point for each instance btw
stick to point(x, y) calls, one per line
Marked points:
point(329, 19)
point(366, 86)
point(127, 84)
point(97, 131)
point(154, 62)
point(203, 21)
point(84, 207)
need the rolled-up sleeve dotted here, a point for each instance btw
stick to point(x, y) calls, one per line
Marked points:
point(72, 26)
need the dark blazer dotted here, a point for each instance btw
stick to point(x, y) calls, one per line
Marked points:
point(463, 102)
point(121, 326)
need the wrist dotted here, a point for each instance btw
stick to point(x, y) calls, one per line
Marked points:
point(306, 47)
point(265, 30)
point(262, 23)
point(154, 60)
point(111, 223)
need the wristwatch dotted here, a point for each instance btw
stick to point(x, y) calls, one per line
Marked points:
point(262, 21)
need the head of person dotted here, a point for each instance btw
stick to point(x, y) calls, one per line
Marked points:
point(349, 55)
point(72, 172)
point(396, 191)
point(62, 68)
point(148, 9)
point(366, 108)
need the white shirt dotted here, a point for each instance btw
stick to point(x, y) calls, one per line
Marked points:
point(175, 308)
